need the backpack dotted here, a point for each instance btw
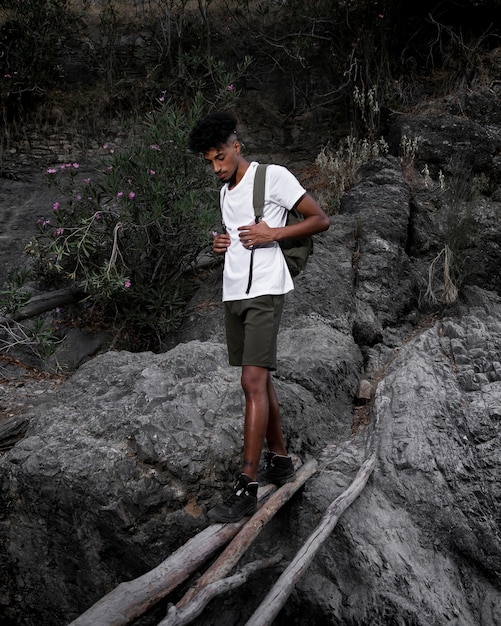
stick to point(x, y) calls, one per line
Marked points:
point(295, 251)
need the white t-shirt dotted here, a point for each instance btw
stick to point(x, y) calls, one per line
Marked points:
point(270, 273)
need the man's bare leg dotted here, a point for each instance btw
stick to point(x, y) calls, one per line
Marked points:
point(274, 434)
point(257, 411)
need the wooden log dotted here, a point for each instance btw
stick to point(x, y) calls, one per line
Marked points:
point(42, 303)
point(180, 617)
point(11, 431)
point(233, 552)
point(276, 598)
point(131, 599)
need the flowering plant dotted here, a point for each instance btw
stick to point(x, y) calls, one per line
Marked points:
point(128, 235)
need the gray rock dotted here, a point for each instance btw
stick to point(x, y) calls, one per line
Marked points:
point(422, 543)
point(128, 454)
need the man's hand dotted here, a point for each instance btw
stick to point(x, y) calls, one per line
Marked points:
point(256, 234)
point(220, 243)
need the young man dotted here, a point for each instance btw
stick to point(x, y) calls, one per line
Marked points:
point(252, 316)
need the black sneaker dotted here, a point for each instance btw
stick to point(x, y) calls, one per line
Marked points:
point(277, 470)
point(242, 502)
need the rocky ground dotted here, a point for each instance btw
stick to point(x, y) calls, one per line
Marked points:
point(20, 385)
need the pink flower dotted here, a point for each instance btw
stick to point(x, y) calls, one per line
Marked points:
point(132, 195)
point(56, 206)
point(127, 284)
point(86, 181)
point(51, 170)
point(58, 231)
point(214, 233)
point(231, 87)
point(120, 194)
point(152, 172)
point(154, 146)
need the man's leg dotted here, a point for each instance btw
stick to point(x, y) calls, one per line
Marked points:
point(262, 418)
point(255, 384)
point(278, 466)
point(243, 500)
point(274, 434)
point(251, 330)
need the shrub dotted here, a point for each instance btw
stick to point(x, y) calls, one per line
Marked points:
point(338, 167)
point(129, 236)
point(462, 193)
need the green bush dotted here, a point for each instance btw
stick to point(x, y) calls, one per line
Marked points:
point(129, 236)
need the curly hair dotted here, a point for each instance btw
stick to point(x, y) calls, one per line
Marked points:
point(212, 131)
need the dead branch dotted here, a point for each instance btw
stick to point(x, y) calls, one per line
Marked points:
point(276, 598)
point(131, 599)
point(180, 617)
point(12, 431)
point(42, 303)
point(231, 555)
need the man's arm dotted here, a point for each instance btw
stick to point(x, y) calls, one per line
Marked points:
point(315, 221)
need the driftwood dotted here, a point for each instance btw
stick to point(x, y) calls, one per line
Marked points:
point(12, 431)
point(131, 599)
point(42, 303)
point(233, 552)
point(216, 588)
point(276, 598)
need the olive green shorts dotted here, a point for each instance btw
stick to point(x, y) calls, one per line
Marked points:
point(252, 329)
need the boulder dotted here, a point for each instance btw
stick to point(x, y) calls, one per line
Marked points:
point(421, 545)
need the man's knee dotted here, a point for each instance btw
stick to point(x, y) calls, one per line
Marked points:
point(254, 379)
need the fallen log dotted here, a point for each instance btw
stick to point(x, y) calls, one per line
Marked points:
point(233, 552)
point(12, 431)
point(276, 598)
point(131, 599)
point(187, 614)
point(43, 303)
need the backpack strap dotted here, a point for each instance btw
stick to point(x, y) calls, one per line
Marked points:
point(258, 195)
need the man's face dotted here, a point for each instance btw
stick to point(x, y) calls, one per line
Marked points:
point(224, 160)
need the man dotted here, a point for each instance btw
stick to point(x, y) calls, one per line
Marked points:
point(252, 315)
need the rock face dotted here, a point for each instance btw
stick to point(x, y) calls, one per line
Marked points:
point(421, 545)
point(117, 469)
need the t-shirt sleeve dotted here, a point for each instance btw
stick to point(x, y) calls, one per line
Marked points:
point(284, 187)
